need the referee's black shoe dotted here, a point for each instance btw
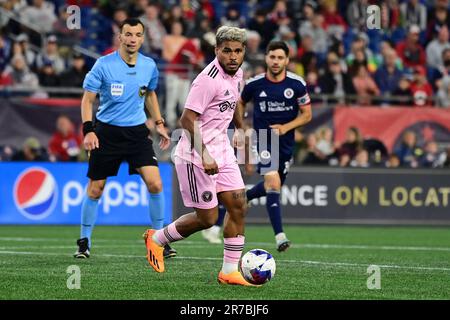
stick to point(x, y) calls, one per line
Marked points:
point(169, 252)
point(83, 249)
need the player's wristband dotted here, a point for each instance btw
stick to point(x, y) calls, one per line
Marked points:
point(160, 121)
point(87, 127)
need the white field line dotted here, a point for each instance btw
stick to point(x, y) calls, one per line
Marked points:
point(308, 262)
point(201, 244)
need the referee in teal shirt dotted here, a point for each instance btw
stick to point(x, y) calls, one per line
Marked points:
point(125, 81)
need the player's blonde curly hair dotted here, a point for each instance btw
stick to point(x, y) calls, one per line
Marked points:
point(226, 33)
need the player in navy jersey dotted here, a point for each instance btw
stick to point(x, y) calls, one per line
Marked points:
point(281, 104)
point(125, 81)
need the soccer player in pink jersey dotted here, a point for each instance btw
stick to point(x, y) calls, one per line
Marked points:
point(206, 166)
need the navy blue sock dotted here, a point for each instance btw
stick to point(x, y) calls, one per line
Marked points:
point(88, 217)
point(156, 204)
point(222, 211)
point(256, 192)
point(274, 210)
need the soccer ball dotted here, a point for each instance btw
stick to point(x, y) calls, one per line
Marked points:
point(258, 266)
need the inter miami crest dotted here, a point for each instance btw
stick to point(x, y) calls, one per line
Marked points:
point(142, 91)
point(207, 196)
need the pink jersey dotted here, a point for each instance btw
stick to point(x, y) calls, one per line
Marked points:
point(214, 95)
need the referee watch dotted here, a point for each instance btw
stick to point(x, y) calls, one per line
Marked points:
point(160, 121)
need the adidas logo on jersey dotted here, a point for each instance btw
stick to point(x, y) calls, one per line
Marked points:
point(263, 94)
point(227, 93)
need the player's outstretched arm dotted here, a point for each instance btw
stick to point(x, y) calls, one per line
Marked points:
point(303, 118)
point(90, 138)
point(152, 105)
point(189, 122)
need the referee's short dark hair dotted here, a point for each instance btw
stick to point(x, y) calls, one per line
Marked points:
point(132, 22)
point(274, 45)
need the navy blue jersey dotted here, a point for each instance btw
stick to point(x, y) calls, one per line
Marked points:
point(276, 103)
point(122, 88)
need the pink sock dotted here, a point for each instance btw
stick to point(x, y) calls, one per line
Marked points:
point(167, 235)
point(232, 253)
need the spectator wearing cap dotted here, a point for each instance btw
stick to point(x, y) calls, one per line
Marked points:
point(410, 50)
point(47, 75)
point(51, 54)
point(414, 13)
point(421, 90)
point(32, 150)
point(41, 15)
point(30, 55)
point(436, 47)
point(74, 77)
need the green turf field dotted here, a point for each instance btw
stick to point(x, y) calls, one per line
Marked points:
point(325, 262)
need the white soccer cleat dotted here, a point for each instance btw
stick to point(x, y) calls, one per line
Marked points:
point(212, 235)
point(282, 242)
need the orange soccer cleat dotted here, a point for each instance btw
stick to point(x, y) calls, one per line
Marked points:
point(234, 278)
point(154, 252)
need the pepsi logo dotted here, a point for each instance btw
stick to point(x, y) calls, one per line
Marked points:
point(35, 193)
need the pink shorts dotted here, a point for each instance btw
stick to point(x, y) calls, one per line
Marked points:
point(199, 190)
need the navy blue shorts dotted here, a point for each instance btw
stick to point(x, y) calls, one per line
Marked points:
point(281, 164)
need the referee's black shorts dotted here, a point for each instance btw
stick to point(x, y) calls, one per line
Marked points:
point(117, 144)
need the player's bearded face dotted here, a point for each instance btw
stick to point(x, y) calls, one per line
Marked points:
point(131, 38)
point(230, 55)
point(276, 61)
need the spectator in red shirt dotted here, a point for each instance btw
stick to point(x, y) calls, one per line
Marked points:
point(64, 144)
point(410, 50)
point(421, 90)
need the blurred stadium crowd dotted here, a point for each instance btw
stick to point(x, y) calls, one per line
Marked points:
point(405, 63)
